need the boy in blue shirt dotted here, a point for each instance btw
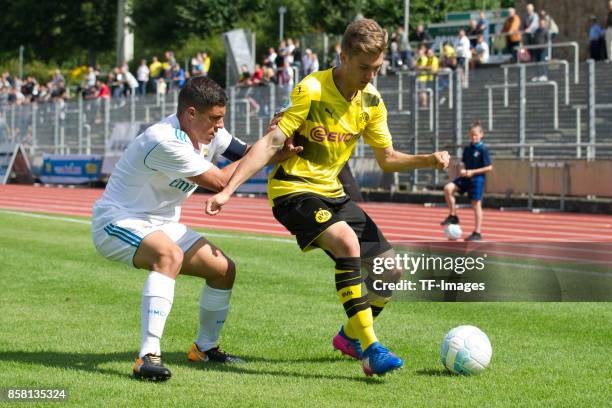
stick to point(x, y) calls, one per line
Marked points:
point(472, 180)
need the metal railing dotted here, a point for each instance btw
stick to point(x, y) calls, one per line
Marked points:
point(528, 84)
point(565, 64)
point(571, 44)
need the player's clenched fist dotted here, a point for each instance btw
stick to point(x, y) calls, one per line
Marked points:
point(441, 160)
point(214, 203)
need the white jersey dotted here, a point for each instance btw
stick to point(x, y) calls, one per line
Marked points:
point(149, 181)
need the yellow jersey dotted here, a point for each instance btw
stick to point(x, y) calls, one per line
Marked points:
point(328, 127)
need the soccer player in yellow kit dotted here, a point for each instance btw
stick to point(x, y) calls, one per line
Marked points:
point(330, 110)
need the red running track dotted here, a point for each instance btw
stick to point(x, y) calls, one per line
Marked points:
point(399, 222)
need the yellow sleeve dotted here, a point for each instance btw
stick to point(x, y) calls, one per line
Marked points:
point(435, 64)
point(376, 132)
point(297, 111)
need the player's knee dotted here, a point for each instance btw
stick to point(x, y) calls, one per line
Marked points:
point(170, 260)
point(229, 274)
point(448, 188)
point(347, 246)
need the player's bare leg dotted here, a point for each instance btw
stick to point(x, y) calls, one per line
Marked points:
point(206, 261)
point(476, 235)
point(449, 195)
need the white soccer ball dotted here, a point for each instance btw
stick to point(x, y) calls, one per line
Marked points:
point(466, 350)
point(453, 232)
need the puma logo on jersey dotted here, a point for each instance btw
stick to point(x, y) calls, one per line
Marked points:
point(331, 114)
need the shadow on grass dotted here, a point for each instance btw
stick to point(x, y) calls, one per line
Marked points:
point(435, 372)
point(90, 362)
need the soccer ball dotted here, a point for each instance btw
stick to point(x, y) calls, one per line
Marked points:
point(453, 232)
point(466, 350)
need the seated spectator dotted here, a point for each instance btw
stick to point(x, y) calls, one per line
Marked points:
point(481, 53)
point(245, 76)
point(449, 56)
point(257, 76)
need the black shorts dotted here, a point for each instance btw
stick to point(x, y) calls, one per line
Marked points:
point(308, 215)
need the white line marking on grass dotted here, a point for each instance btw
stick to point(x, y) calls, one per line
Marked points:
point(289, 241)
point(88, 222)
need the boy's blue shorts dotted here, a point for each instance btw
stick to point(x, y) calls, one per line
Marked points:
point(474, 186)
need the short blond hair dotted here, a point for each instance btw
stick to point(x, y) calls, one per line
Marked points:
point(364, 35)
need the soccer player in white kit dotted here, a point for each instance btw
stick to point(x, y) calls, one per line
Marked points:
point(137, 220)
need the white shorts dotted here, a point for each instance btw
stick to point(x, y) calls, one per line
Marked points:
point(119, 240)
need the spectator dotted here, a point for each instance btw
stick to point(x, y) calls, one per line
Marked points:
point(206, 61)
point(449, 56)
point(336, 55)
point(103, 94)
point(404, 49)
point(272, 55)
point(608, 37)
point(90, 78)
point(57, 78)
point(473, 33)
point(162, 87)
point(483, 26)
point(297, 54)
point(245, 76)
point(427, 64)
point(531, 24)
point(394, 55)
point(257, 76)
point(131, 83)
point(596, 36)
point(540, 37)
point(178, 76)
point(511, 30)
point(553, 28)
point(462, 47)
point(481, 53)
point(307, 62)
point(5, 133)
point(289, 50)
point(314, 67)
point(197, 65)
point(422, 36)
point(143, 76)
point(155, 71)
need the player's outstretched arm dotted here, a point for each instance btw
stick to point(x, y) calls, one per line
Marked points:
point(258, 156)
point(215, 179)
point(390, 160)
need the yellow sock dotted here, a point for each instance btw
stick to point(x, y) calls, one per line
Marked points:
point(377, 306)
point(356, 305)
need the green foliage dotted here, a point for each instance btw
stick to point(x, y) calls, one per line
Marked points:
point(77, 32)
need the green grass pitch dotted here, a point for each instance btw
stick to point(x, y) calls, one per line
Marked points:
point(70, 319)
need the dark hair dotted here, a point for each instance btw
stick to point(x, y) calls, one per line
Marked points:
point(201, 93)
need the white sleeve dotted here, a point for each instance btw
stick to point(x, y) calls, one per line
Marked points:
point(222, 140)
point(176, 159)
